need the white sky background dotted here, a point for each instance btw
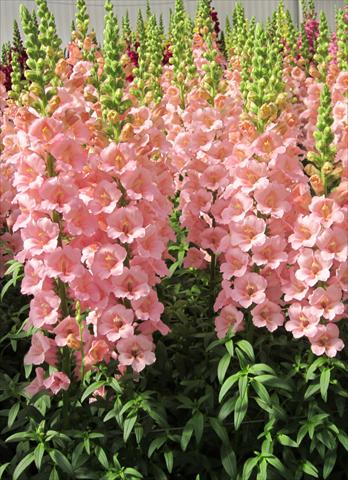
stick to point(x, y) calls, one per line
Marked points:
point(64, 11)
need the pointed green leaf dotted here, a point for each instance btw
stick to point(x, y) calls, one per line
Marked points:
point(324, 383)
point(128, 427)
point(228, 460)
point(23, 465)
point(91, 389)
point(12, 415)
point(169, 458)
point(223, 366)
point(39, 453)
point(228, 384)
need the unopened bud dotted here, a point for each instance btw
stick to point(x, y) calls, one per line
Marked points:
point(310, 170)
point(72, 342)
point(327, 168)
point(53, 104)
point(127, 133)
point(317, 184)
point(113, 117)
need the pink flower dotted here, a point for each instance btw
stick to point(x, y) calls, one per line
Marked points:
point(342, 276)
point(65, 263)
point(151, 244)
point(237, 208)
point(115, 158)
point(327, 302)
point(293, 288)
point(68, 153)
point(249, 289)
point(136, 351)
point(214, 177)
point(271, 253)
point(125, 223)
point(236, 263)
point(327, 340)
point(195, 258)
point(211, 238)
point(40, 236)
point(306, 231)
point(34, 277)
point(248, 233)
point(56, 382)
point(44, 309)
point(57, 192)
point(108, 261)
point(138, 184)
point(37, 384)
point(326, 210)
point(304, 320)
point(313, 267)
point(105, 198)
point(333, 244)
point(132, 284)
point(229, 317)
point(271, 200)
point(98, 351)
point(148, 308)
point(267, 314)
point(43, 349)
point(116, 322)
point(78, 220)
point(66, 330)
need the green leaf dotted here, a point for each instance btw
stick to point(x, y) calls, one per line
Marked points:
point(198, 425)
point(343, 439)
point(155, 445)
point(12, 415)
point(128, 427)
point(243, 383)
point(274, 382)
point(241, 408)
point(227, 408)
point(223, 366)
point(278, 465)
point(260, 368)
point(133, 472)
point(316, 364)
point(54, 474)
point(286, 441)
point(61, 461)
point(18, 437)
point(261, 391)
point(262, 474)
point(101, 456)
point(247, 349)
point(169, 458)
point(23, 465)
point(228, 384)
point(220, 430)
point(330, 462)
point(3, 468)
point(91, 389)
point(186, 435)
point(311, 390)
point(249, 466)
point(229, 347)
point(228, 459)
point(310, 469)
point(324, 383)
point(39, 453)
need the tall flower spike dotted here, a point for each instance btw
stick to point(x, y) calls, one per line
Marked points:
point(49, 40)
point(17, 41)
point(342, 39)
point(182, 59)
point(82, 21)
point(35, 72)
point(126, 29)
point(323, 157)
point(16, 77)
point(322, 56)
point(111, 88)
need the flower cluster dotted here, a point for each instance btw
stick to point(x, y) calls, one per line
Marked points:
point(95, 146)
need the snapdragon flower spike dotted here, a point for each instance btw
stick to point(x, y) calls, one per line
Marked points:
point(342, 36)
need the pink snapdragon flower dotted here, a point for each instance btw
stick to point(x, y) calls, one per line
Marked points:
point(43, 349)
point(267, 314)
point(306, 231)
point(65, 263)
point(303, 320)
point(116, 322)
point(108, 261)
point(271, 253)
point(326, 340)
point(229, 317)
point(44, 309)
point(327, 302)
point(40, 236)
point(248, 233)
point(249, 289)
point(136, 351)
point(313, 267)
point(126, 224)
point(56, 382)
point(326, 210)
